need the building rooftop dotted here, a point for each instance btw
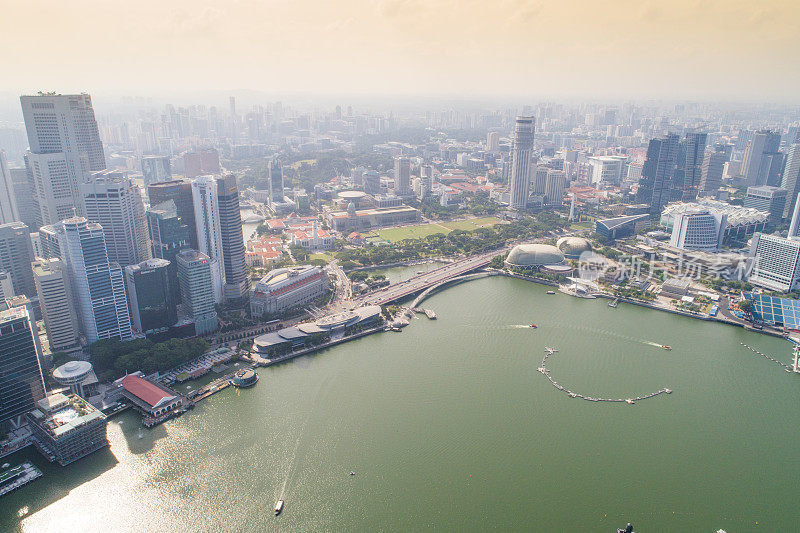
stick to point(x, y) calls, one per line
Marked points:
point(145, 390)
point(59, 414)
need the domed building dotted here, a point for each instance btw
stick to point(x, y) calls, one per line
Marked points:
point(537, 257)
point(573, 247)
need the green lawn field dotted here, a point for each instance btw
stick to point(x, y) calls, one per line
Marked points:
point(423, 230)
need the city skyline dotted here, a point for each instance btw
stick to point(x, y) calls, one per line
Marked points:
point(687, 49)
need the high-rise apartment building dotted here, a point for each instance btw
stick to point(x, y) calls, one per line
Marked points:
point(209, 232)
point(97, 284)
point(16, 254)
point(112, 200)
point(152, 301)
point(21, 377)
point(657, 172)
point(521, 161)
point(197, 293)
point(180, 192)
point(402, 176)
point(57, 304)
point(8, 200)
point(237, 283)
point(64, 148)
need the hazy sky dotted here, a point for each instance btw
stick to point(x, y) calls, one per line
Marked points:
point(704, 49)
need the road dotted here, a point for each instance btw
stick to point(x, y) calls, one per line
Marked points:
point(427, 279)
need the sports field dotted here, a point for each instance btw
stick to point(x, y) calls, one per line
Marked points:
point(419, 231)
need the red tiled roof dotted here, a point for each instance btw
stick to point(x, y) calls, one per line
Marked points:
point(144, 390)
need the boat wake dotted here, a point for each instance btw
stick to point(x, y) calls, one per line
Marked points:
point(293, 460)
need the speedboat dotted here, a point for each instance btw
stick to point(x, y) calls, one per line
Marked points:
point(667, 347)
point(534, 326)
point(352, 473)
point(278, 507)
point(551, 292)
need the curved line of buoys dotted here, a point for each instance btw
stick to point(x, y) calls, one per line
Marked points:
point(788, 368)
point(543, 369)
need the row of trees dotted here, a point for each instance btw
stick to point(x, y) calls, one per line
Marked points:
point(112, 358)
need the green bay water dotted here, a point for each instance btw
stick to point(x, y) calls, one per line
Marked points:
point(449, 426)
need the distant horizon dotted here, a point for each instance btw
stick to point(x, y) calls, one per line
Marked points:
point(733, 50)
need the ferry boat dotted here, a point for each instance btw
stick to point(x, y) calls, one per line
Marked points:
point(629, 401)
point(396, 329)
point(278, 507)
point(668, 391)
point(534, 326)
point(551, 292)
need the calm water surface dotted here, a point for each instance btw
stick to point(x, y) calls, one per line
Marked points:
point(448, 425)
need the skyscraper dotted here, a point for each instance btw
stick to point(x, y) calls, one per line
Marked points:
point(97, 284)
point(197, 295)
point(521, 161)
point(492, 141)
point(8, 201)
point(112, 200)
point(21, 378)
point(791, 179)
point(152, 300)
point(693, 165)
point(24, 194)
point(555, 186)
point(274, 181)
point(64, 147)
point(711, 171)
point(57, 304)
point(180, 192)
point(230, 223)
point(755, 170)
point(402, 176)
point(16, 254)
point(209, 232)
point(657, 172)
point(155, 169)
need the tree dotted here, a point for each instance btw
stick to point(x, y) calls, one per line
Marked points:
point(746, 307)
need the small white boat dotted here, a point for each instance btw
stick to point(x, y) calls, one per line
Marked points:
point(352, 473)
point(278, 507)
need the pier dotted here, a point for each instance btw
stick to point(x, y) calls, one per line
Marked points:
point(548, 351)
point(430, 313)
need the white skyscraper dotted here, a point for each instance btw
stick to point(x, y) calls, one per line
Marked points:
point(700, 230)
point(8, 202)
point(112, 200)
point(64, 148)
point(521, 161)
point(555, 187)
point(775, 262)
point(209, 231)
point(56, 302)
point(492, 141)
point(402, 176)
point(97, 284)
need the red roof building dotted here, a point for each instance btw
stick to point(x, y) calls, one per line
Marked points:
point(155, 400)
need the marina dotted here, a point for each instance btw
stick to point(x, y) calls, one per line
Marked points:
point(14, 478)
point(395, 410)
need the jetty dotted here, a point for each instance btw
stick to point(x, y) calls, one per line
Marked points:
point(14, 478)
point(549, 351)
point(430, 313)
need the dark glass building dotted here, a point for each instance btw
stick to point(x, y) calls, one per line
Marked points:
point(21, 379)
point(657, 173)
point(169, 234)
point(152, 301)
point(180, 192)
